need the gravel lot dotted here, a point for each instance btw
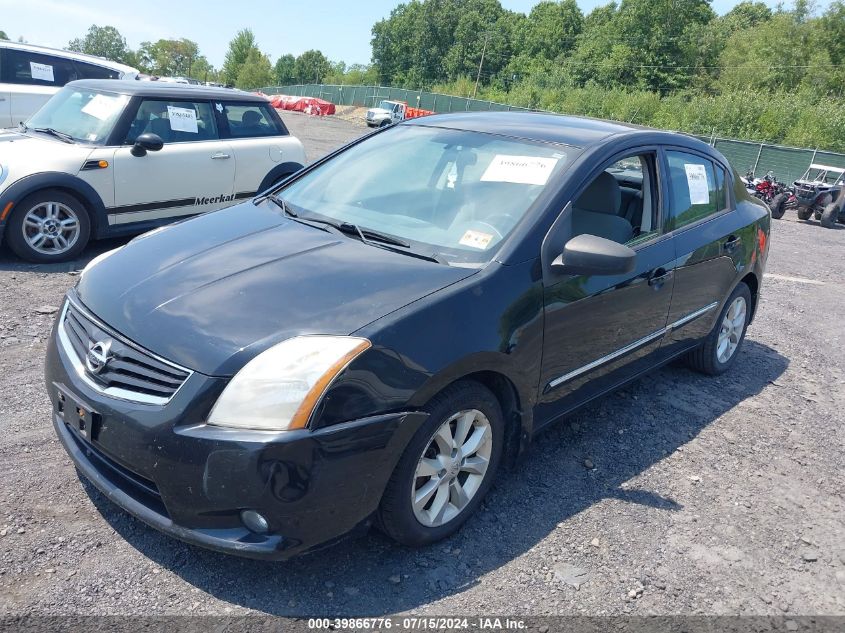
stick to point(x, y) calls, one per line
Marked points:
point(713, 496)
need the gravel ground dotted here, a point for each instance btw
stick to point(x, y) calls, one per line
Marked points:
point(711, 496)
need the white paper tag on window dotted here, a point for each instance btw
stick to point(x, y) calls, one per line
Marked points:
point(182, 119)
point(699, 192)
point(101, 107)
point(476, 239)
point(43, 72)
point(523, 170)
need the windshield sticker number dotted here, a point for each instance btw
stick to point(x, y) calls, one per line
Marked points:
point(42, 72)
point(476, 239)
point(101, 107)
point(182, 119)
point(523, 170)
point(699, 192)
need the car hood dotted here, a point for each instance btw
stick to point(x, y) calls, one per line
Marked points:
point(24, 154)
point(212, 292)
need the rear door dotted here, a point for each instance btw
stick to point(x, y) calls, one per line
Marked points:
point(5, 95)
point(710, 242)
point(259, 142)
point(193, 173)
point(32, 78)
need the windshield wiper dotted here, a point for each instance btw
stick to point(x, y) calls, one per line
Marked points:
point(368, 235)
point(67, 138)
point(279, 202)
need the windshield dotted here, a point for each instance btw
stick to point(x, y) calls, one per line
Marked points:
point(85, 115)
point(828, 176)
point(450, 193)
point(386, 105)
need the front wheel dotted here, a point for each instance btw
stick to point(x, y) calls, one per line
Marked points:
point(830, 216)
point(778, 206)
point(719, 350)
point(384, 124)
point(48, 226)
point(804, 213)
point(447, 468)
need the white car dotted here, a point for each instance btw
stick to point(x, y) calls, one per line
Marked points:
point(105, 158)
point(30, 75)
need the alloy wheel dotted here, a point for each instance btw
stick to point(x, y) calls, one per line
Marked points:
point(452, 468)
point(51, 228)
point(731, 330)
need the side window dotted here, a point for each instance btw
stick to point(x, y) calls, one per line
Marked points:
point(173, 121)
point(250, 120)
point(722, 198)
point(92, 71)
point(693, 191)
point(23, 67)
point(621, 203)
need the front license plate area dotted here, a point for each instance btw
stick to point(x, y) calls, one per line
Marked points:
point(78, 416)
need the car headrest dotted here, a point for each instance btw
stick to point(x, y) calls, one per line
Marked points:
point(601, 196)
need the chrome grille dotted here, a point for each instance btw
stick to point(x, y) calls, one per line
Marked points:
point(131, 373)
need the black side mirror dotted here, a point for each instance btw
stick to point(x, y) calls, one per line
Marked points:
point(147, 142)
point(593, 255)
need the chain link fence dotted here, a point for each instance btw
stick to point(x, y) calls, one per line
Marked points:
point(787, 163)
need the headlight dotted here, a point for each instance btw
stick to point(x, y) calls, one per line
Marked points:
point(278, 389)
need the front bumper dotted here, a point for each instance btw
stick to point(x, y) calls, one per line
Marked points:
point(165, 466)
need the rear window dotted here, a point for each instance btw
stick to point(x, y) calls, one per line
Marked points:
point(250, 120)
point(92, 71)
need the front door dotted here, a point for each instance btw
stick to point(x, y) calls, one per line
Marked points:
point(193, 173)
point(601, 330)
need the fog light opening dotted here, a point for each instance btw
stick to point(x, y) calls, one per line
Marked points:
point(254, 522)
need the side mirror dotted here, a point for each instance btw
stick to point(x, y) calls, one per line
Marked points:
point(147, 142)
point(593, 255)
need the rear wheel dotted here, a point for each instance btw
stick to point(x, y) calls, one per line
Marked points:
point(48, 226)
point(384, 124)
point(778, 206)
point(447, 468)
point(719, 350)
point(805, 213)
point(830, 216)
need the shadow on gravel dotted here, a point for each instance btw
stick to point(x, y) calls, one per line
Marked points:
point(622, 435)
point(9, 262)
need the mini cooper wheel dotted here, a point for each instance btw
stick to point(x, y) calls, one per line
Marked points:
point(830, 216)
point(48, 226)
point(447, 468)
point(719, 350)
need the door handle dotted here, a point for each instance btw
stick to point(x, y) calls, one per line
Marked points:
point(219, 156)
point(731, 244)
point(658, 277)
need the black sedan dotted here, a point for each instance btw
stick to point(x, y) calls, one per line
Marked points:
point(371, 340)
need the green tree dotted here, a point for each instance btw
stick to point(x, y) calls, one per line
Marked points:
point(240, 48)
point(283, 71)
point(103, 41)
point(167, 57)
point(255, 72)
point(552, 28)
point(3, 35)
point(311, 67)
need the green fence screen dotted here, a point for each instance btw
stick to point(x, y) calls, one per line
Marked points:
point(787, 163)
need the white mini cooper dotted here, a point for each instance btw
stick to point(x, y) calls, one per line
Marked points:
point(105, 158)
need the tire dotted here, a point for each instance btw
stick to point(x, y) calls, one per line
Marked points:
point(384, 124)
point(56, 211)
point(805, 213)
point(830, 216)
point(706, 358)
point(778, 206)
point(396, 515)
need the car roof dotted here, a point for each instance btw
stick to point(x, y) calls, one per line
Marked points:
point(58, 52)
point(166, 90)
point(539, 126)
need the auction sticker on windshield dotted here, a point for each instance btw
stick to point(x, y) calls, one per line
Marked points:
point(523, 170)
point(476, 239)
point(102, 107)
point(182, 119)
point(43, 72)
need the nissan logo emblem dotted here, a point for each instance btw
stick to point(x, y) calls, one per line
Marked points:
point(98, 356)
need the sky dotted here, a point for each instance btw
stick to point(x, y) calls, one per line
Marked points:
point(339, 28)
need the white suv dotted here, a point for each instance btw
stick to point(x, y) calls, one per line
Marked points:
point(105, 158)
point(30, 75)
